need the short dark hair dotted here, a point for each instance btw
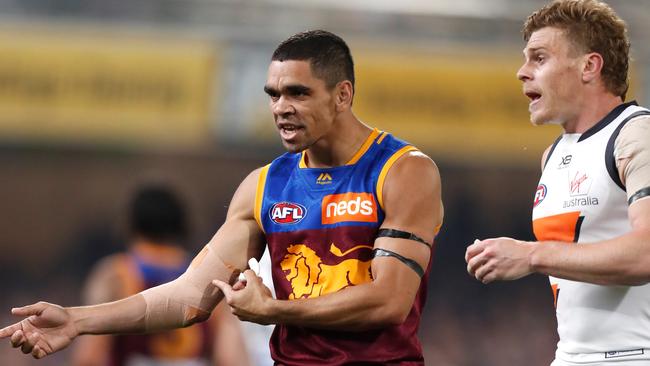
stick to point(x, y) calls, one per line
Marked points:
point(157, 214)
point(328, 54)
point(592, 26)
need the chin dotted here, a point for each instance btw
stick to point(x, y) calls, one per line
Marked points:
point(293, 148)
point(539, 119)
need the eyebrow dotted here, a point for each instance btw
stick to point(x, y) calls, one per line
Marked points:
point(270, 91)
point(291, 89)
point(298, 89)
point(534, 49)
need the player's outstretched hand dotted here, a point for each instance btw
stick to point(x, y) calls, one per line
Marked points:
point(47, 328)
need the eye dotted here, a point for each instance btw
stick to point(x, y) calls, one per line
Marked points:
point(298, 91)
point(273, 95)
point(540, 58)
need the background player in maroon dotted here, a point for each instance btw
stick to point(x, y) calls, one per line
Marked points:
point(158, 230)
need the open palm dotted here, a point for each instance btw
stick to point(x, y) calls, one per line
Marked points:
point(46, 329)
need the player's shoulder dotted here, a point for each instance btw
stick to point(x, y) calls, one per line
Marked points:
point(252, 179)
point(415, 164)
point(413, 171)
point(638, 126)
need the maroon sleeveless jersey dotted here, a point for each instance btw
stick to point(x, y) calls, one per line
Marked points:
point(320, 226)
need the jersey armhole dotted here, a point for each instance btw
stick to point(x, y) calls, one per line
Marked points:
point(550, 151)
point(610, 160)
point(259, 196)
point(384, 171)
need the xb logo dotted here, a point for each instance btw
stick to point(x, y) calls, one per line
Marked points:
point(566, 160)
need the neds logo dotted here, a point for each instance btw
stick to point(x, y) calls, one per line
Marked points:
point(287, 213)
point(348, 207)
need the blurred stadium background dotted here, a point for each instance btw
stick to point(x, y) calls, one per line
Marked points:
point(99, 96)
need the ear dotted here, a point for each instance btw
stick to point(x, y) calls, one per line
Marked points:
point(343, 96)
point(592, 67)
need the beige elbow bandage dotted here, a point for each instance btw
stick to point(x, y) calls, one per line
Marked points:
point(191, 297)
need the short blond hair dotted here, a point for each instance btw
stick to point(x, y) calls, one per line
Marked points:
point(592, 26)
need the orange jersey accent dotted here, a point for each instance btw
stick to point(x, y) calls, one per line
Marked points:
point(562, 227)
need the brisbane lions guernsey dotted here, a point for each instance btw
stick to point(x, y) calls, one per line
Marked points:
point(581, 200)
point(320, 226)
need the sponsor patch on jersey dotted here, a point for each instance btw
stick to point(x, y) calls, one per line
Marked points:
point(324, 178)
point(287, 213)
point(348, 207)
point(579, 183)
point(540, 194)
point(565, 161)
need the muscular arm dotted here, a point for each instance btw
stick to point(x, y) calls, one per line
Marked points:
point(188, 299)
point(413, 204)
point(192, 296)
point(624, 260)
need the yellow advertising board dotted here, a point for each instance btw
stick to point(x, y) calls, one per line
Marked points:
point(464, 106)
point(88, 86)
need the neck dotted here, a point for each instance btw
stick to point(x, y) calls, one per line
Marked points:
point(339, 146)
point(591, 112)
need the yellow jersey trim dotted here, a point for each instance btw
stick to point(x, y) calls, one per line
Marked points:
point(386, 168)
point(259, 195)
point(362, 150)
point(302, 163)
point(382, 137)
point(366, 145)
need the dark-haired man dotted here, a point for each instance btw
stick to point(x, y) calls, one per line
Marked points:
point(349, 215)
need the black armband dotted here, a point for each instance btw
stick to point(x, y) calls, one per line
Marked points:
point(641, 193)
point(379, 252)
point(399, 234)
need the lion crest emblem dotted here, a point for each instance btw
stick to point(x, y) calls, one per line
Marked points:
point(310, 277)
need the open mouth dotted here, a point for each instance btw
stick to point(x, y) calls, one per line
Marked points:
point(533, 96)
point(288, 131)
point(288, 128)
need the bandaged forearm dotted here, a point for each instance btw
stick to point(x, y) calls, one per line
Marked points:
point(191, 297)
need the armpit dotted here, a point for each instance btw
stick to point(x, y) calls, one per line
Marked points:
point(632, 153)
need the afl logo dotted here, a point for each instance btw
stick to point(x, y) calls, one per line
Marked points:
point(540, 194)
point(287, 213)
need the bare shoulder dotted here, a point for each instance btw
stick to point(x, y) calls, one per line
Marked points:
point(412, 195)
point(545, 156)
point(636, 129)
point(243, 200)
point(250, 182)
point(414, 169)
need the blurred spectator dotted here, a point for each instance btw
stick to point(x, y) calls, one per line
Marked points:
point(155, 255)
